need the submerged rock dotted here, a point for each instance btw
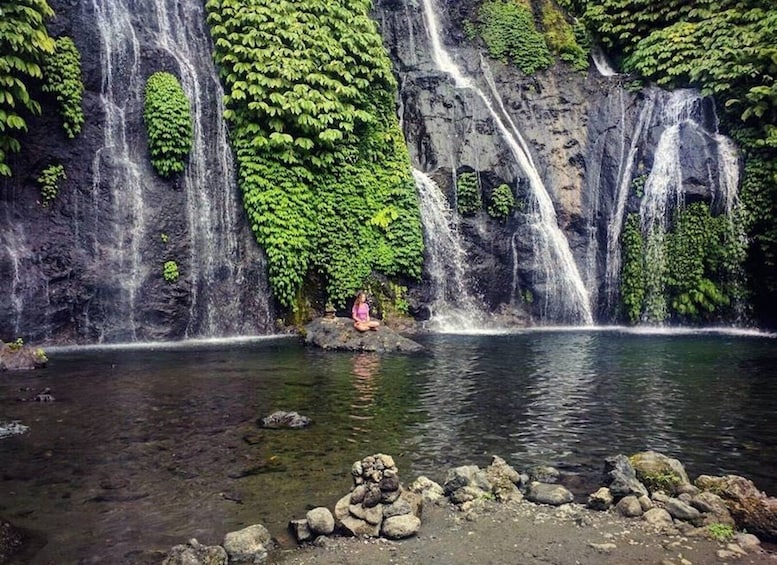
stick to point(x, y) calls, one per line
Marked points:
point(281, 419)
point(339, 334)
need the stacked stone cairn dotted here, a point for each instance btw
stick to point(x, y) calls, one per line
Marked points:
point(656, 488)
point(377, 506)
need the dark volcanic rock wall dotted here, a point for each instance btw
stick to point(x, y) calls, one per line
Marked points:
point(88, 268)
point(586, 134)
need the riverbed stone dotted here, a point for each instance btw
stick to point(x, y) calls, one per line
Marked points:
point(466, 476)
point(554, 495)
point(621, 478)
point(321, 521)
point(503, 479)
point(194, 553)
point(428, 489)
point(752, 509)
point(282, 419)
point(543, 474)
point(400, 527)
point(713, 509)
point(301, 530)
point(249, 545)
point(659, 472)
point(658, 517)
point(681, 510)
point(339, 334)
point(602, 499)
point(629, 507)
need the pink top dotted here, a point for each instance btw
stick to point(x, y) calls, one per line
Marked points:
point(361, 311)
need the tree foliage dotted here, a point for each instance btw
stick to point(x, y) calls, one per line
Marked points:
point(62, 78)
point(322, 164)
point(168, 119)
point(24, 43)
point(502, 203)
point(49, 182)
point(468, 198)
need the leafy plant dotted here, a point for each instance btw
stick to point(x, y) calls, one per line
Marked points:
point(720, 532)
point(168, 123)
point(49, 180)
point(633, 270)
point(24, 43)
point(164, 237)
point(638, 185)
point(502, 203)
point(322, 164)
point(62, 78)
point(170, 271)
point(468, 197)
point(508, 29)
point(16, 345)
point(560, 37)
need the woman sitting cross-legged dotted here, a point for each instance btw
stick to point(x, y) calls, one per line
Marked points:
point(361, 314)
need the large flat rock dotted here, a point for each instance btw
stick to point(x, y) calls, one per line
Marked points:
point(339, 334)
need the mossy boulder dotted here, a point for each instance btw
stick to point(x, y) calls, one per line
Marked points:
point(752, 509)
point(659, 472)
point(21, 358)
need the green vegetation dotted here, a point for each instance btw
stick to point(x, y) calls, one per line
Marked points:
point(24, 43)
point(502, 203)
point(168, 123)
point(62, 78)
point(508, 29)
point(633, 271)
point(468, 198)
point(726, 49)
point(720, 532)
point(49, 182)
point(322, 163)
point(16, 345)
point(170, 271)
point(690, 273)
point(560, 37)
point(665, 481)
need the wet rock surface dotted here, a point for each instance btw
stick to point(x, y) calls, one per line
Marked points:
point(339, 334)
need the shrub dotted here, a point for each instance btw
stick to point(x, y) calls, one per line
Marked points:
point(560, 37)
point(62, 78)
point(170, 271)
point(468, 197)
point(508, 29)
point(502, 203)
point(168, 123)
point(49, 182)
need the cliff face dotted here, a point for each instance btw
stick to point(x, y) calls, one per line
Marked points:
point(584, 137)
point(88, 268)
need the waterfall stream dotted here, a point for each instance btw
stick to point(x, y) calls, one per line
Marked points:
point(564, 296)
point(453, 307)
point(122, 173)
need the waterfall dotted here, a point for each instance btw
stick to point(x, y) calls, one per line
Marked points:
point(600, 62)
point(453, 307)
point(615, 221)
point(120, 95)
point(564, 296)
point(212, 263)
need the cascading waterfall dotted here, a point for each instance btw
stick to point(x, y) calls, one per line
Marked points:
point(615, 221)
point(453, 307)
point(120, 91)
point(600, 62)
point(121, 170)
point(664, 192)
point(564, 295)
point(212, 203)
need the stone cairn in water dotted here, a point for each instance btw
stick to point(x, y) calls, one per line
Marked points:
point(377, 506)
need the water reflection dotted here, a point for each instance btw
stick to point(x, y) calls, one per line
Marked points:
point(365, 383)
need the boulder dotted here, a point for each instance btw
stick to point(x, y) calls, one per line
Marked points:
point(466, 476)
point(194, 553)
point(751, 509)
point(619, 476)
point(543, 474)
point(21, 358)
point(600, 500)
point(658, 517)
point(320, 521)
point(659, 472)
point(629, 507)
point(682, 511)
point(301, 530)
point(503, 479)
point(339, 334)
point(713, 508)
point(428, 489)
point(554, 495)
point(400, 527)
point(249, 545)
point(281, 419)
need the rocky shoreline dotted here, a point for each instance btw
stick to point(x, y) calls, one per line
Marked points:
point(647, 511)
